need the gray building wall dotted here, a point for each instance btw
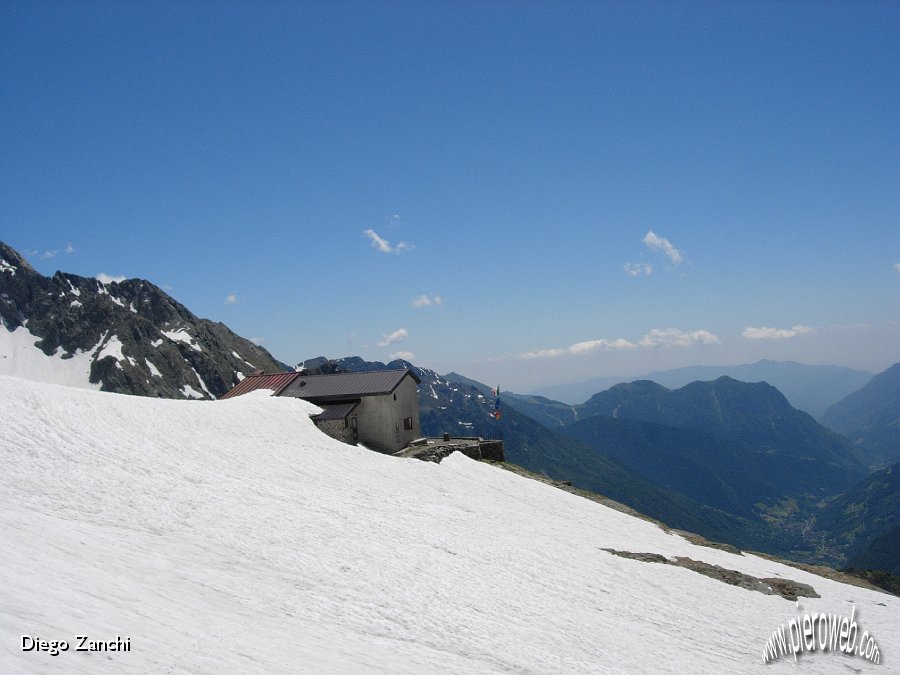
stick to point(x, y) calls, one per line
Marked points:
point(381, 418)
point(339, 429)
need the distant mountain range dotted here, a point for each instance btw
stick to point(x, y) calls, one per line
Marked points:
point(736, 445)
point(810, 388)
point(870, 417)
point(128, 337)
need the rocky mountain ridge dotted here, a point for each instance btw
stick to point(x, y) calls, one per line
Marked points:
point(128, 337)
point(810, 388)
point(870, 417)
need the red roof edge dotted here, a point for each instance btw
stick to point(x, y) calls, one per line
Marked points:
point(274, 381)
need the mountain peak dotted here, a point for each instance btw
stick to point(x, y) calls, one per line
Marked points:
point(869, 417)
point(10, 260)
point(128, 337)
point(640, 386)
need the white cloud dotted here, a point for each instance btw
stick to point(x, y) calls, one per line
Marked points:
point(581, 348)
point(544, 354)
point(384, 245)
point(673, 337)
point(231, 299)
point(68, 249)
point(406, 356)
point(425, 301)
point(257, 341)
point(897, 268)
point(397, 336)
point(638, 269)
point(764, 333)
point(104, 278)
point(654, 241)
point(591, 345)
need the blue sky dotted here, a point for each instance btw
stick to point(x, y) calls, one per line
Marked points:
point(524, 192)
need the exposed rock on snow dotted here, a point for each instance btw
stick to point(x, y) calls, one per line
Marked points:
point(786, 588)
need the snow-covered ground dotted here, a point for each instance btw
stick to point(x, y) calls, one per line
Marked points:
point(232, 536)
point(20, 358)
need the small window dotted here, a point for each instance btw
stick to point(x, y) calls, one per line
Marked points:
point(408, 423)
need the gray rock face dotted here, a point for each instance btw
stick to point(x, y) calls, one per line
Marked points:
point(141, 340)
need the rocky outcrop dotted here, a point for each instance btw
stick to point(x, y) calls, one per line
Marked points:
point(786, 588)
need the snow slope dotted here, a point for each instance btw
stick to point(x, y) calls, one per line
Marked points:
point(232, 536)
point(20, 358)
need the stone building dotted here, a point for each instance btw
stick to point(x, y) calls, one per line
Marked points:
point(379, 409)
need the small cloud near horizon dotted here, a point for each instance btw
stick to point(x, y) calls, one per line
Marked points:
point(231, 299)
point(257, 341)
point(405, 356)
point(393, 338)
point(68, 249)
point(764, 333)
point(383, 245)
point(425, 301)
point(638, 269)
point(581, 348)
point(673, 337)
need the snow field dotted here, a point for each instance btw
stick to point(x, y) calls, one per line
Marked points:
point(234, 536)
point(20, 358)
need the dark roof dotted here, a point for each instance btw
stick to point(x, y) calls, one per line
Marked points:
point(274, 381)
point(335, 411)
point(346, 385)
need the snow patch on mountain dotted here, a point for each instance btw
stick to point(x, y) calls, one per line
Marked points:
point(153, 369)
point(113, 348)
point(181, 335)
point(202, 383)
point(189, 392)
point(19, 357)
point(238, 356)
